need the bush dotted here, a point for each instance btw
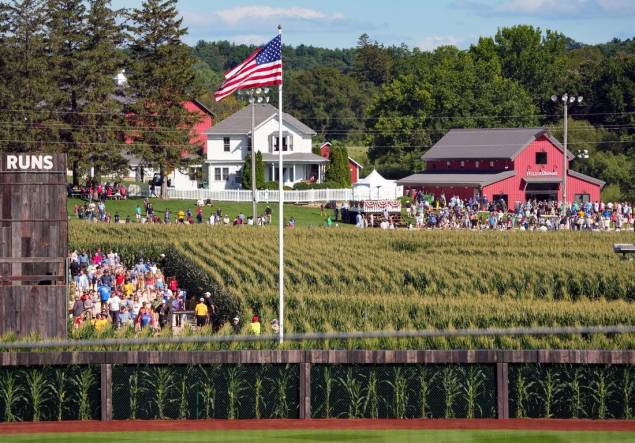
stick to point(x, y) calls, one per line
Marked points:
point(302, 186)
point(273, 186)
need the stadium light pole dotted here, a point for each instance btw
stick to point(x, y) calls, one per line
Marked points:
point(566, 100)
point(257, 95)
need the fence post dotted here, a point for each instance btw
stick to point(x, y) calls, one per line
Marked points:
point(106, 392)
point(502, 390)
point(305, 390)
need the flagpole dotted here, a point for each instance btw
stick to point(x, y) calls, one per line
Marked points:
point(281, 207)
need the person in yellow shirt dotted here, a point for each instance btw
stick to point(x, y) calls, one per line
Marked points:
point(254, 326)
point(200, 311)
point(100, 322)
point(128, 288)
point(181, 216)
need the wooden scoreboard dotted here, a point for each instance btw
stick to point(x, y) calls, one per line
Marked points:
point(33, 244)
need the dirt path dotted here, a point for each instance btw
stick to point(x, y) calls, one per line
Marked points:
point(324, 424)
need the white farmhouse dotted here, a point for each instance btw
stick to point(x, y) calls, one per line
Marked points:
point(229, 142)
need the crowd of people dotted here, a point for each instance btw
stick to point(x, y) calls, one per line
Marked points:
point(110, 294)
point(474, 213)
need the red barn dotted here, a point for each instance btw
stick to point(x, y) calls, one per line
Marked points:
point(513, 164)
point(205, 122)
point(353, 166)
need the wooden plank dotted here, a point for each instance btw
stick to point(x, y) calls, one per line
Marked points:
point(305, 390)
point(502, 390)
point(32, 259)
point(106, 392)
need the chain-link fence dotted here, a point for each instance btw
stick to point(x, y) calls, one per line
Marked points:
point(571, 391)
point(49, 393)
point(205, 391)
point(403, 391)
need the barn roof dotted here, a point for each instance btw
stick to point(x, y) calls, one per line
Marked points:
point(463, 179)
point(503, 143)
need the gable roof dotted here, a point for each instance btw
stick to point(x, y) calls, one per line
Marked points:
point(240, 122)
point(477, 143)
point(204, 108)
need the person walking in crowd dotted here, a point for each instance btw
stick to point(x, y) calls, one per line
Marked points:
point(201, 312)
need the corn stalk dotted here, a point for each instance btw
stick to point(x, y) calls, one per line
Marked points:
point(11, 394)
point(83, 381)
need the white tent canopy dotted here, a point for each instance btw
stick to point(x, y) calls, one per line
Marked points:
point(376, 187)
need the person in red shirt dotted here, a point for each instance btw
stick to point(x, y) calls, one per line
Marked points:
point(173, 285)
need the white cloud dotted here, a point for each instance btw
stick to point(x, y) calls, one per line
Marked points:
point(434, 41)
point(541, 7)
point(248, 13)
point(250, 39)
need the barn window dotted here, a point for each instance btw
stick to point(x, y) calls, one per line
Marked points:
point(448, 163)
point(226, 144)
point(477, 163)
point(491, 164)
point(462, 164)
point(541, 158)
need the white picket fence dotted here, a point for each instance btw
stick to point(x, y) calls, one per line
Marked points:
point(308, 196)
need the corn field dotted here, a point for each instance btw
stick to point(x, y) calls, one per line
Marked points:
point(365, 280)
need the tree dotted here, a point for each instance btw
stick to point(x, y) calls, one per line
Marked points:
point(162, 79)
point(26, 80)
point(84, 57)
point(260, 172)
point(332, 103)
point(337, 170)
point(536, 62)
point(372, 63)
point(102, 110)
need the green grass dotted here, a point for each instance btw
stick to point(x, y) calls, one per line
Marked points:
point(288, 436)
point(304, 215)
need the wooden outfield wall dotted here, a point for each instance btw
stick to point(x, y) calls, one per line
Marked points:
point(501, 359)
point(33, 244)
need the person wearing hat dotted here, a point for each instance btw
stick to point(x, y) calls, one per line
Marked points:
point(236, 325)
point(254, 326)
point(275, 326)
point(201, 312)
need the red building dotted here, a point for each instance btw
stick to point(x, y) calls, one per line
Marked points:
point(353, 166)
point(513, 164)
point(205, 122)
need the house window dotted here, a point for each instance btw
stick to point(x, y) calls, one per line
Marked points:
point(225, 173)
point(291, 175)
point(541, 158)
point(226, 144)
point(217, 172)
point(287, 143)
point(249, 143)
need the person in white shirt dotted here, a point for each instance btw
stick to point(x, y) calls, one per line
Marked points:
point(114, 304)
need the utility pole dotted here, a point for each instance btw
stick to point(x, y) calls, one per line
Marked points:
point(257, 95)
point(566, 99)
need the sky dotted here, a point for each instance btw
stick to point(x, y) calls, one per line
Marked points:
point(417, 23)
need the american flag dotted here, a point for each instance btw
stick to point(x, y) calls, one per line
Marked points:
point(262, 68)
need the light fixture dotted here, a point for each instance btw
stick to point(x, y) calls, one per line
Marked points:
point(554, 98)
point(580, 99)
point(259, 99)
point(258, 90)
point(266, 90)
point(571, 99)
point(565, 98)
